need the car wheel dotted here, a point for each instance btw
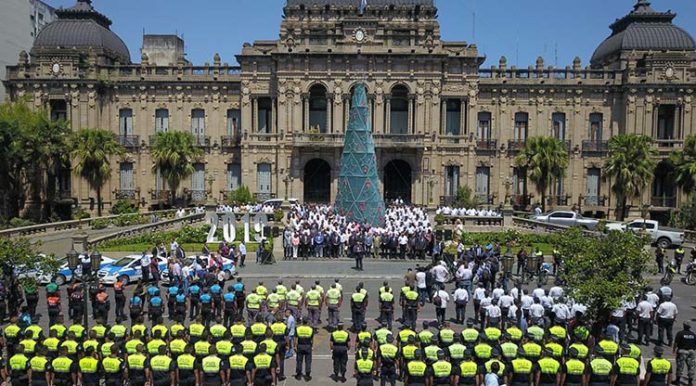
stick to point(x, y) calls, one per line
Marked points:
point(664, 243)
point(60, 280)
point(125, 279)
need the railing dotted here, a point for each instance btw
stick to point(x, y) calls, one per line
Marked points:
point(198, 195)
point(263, 137)
point(561, 200)
point(159, 195)
point(473, 220)
point(535, 225)
point(516, 145)
point(485, 199)
point(663, 201)
point(399, 140)
point(125, 194)
point(448, 200)
point(567, 73)
point(260, 197)
point(130, 142)
point(230, 141)
point(190, 219)
point(65, 225)
point(486, 145)
point(318, 139)
point(595, 147)
point(595, 200)
point(453, 139)
point(201, 140)
point(668, 145)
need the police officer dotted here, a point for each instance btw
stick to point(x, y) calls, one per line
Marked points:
point(658, 372)
point(678, 257)
point(138, 366)
point(18, 364)
point(358, 305)
point(442, 371)
point(548, 370)
point(386, 305)
point(113, 368)
point(522, 370)
point(280, 337)
point(229, 301)
point(466, 373)
point(163, 368)
point(263, 371)
point(64, 369)
point(627, 369)
point(12, 335)
point(364, 366)
point(339, 345)
point(253, 305)
point(304, 340)
point(574, 371)
point(258, 329)
point(388, 361)
point(334, 299)
point(601, 369)
point(186, 367)
point(685, 348)
point(207, 306)
point(417, 372)
point(239, 373)
point(89, 368)
point(212, 370)
point(40, 368)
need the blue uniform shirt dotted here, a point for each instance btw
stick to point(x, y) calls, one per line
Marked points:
point(238, 287)
point(173, 290)
point(181, 298)
point(229, 297)
point(194, 289)
point(152, 290)
point(156, 301)
point(215, 288)
point(206, 298)
point(135, 300)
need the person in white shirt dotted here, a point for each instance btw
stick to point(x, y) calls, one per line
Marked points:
point(578, 308)
point(485, 303)
point(479, 294)
point(442, 307)
point(145, 261)
point(561, 312)
point(644, 311)
point(461, 298)
point(526, 302)
point(421, 285)
point(512, 313)
point(556, 292)
point(172, 247)
point(505, 302)
point(538, 292)
point(493, 314)
point(666, 315)
point(440, 273)
point(536, 311)
point(498, 291)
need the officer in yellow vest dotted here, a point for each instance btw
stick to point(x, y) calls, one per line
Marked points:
point(29, 346)
point(186, 367)
point(304, 340)
point(522, 369)
point(253, 305)
point(425, 335)
point(280, 336)
point(154, 345)
point(339, 344)
point(163, 368)
point(408, 351)
point(196, 330)
point(388, 361)
point(113, 368)
point(441, 371)
point(548, 369)
point(239, 368)
point(658, 371)
point(263, 371)
point(212, 370)
point(64, 369)
point(89, 368)
point(364, 366)
point(358, 305)
point(258, 329)
point(224, 346)
point(178, 345)
point(627, 369)
point(293, 300)
point(40, 368)
point(574, 371)
point(416, 372)
point(138, 367)
point(466, 373)
point(601, 368)
point(470, 335)
point(238, 331)
point(249, 346)
point(334, 299)
point(386, 305)
point(18, 365)
point(11, 333)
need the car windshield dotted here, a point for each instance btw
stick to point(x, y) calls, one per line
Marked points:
point(123, 262)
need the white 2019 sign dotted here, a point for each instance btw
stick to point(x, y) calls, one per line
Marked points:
point(253, 223)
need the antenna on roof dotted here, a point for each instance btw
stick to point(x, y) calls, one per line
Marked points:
point(555, 54)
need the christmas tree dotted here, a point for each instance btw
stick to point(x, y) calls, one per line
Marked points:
point(359, 198)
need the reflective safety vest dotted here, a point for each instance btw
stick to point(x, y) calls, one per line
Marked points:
point(282, 291)
point(575, 367)
point(521, 366)
point(238, 330)
point(411, 296)
point(33, 331)
point(470, 335)
point(258, 329)
point(132, 345)
point(88, 365)
point(273, 300)
point(262, 292)
point(628, 366)
point(105, 349)
point(381, 335)
point(558, 332)
point(660, 366)
point(61, 365)
point(609, 346)
point(238, 362)
point(492, 333)
point(404, 334)
point(340, 337)
point(71, 345)
point(333, 296)
point(263, 361)
point(501, 370)
point(386, 297)
point(253, 301)
point(304, 332)
point(515, 333)
point(141, 328)
point(100, 330)
point(635, 352)
point(177, 346)
point(431, 352)
point(388, 351)
point(112, 365)
point(196, 329)
point(162, 329)
point(271, 346)
point(556, 348)
point(218, 330)
point(483, 351)
point(532, 350)
point(136, 361)
point(468, 369)
point(211, 364)
point(92, 343)
point(293, 298)
point(409, 351)
point(201, 348)
point(446, 336)
point(442, 369)
point(77, 329)
point(18, 362)
point(160, 363)
point(456, 351)
point(224, 347)
point(313, 298)
point(425, 337)
point(118, 331)
point(154, 345)
point(509, 350)
point(582, 350)
point(364, 335)
point(12, 330)
point(358, 298)
point(51, 344)
point(600, 366)
point(364, 366)
point(58, 328)
point(248, 347)
point(186, 362)
point(279, 329)
point(29, 345)
point(38, 364)
point(416, 368)
point(174, 329)
point(548, 366)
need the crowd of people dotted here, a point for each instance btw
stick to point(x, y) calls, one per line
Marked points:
point(469, 212)
point(248, 208)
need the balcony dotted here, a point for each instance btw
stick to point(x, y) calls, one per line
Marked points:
point(159, 195)
point(197, 196)
point(486, 146)
point(125, 194)
point(485, 199)
point(399, 140)
point(448, 200)
point(453, 139)
point(520, 201)
point(595, 148)
point(229, 142)
point(130, 142)
point(595, 200)
point(261, 197)
point(318, 139)
point(263, 137)
point(516, 145)
point(561, 200)
point(663, 201)
point(201, 141)
point(666, 146)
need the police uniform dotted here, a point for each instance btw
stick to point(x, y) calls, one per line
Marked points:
point(113, 367)
point(137, 363)
point(340, 339)
point(40, 366)
point(161, 367)
point(63, 370)
point(264, 366)
point(363, 369)
point(18, 365)
point(186, 366)
point(239, 366)
point(89, 371)
point(417, 372)
point(305, 337)
point(210, 368)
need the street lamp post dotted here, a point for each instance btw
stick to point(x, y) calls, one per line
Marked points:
point(95, 261)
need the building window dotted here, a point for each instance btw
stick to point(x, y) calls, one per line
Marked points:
point(665, 122)
point(453, 117)
point(521, 125)
point(483, 177)
point(592, 192)
point(451, 180)
point(234, 120)
point(664, 190)
point(59, 110)
point(161, 120)
point(125, 122)
point(519, 185)
point(159, 186)
point(198, 122)
point(558, 125)
point(318, 108)
point(234, 176)
point(596, 121)
point(263, 180)
point(198, 177)
point(398, 113)
point(264, 119)
point(126, 183)
point(484, 126)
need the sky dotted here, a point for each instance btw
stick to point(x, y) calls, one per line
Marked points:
point(557, 30)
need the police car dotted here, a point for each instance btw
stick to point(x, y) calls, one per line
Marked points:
point(189, 270)
point(62, 276)
point(126, 268)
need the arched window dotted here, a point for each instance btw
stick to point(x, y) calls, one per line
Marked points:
point(398, 114)
point(318, 108)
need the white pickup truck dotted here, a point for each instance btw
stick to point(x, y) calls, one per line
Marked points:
point(664, 237)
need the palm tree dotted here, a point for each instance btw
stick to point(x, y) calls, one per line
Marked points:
point(544, 158)
point(684, 162)
point(93, 148)
point(631, 165)
point(172, 155)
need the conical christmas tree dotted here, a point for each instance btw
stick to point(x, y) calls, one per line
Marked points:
point(358, 184)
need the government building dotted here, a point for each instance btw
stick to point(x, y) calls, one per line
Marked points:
point(440, 118)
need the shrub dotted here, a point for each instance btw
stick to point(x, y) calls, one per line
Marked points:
point(124, 206)
point(100, 223)
point(17, 222)
point(439, 219)
point(278, 215)
point(240, 196)
point(466, 198)
point(80, 214)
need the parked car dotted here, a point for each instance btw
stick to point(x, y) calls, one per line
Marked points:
point(663, 237)
point(567, 218)
point(276, 203)
point(62, 276)
point(128, 268)
point(227, 267)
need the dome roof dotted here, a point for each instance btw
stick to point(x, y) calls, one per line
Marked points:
point(643, 29)
point(82, 27)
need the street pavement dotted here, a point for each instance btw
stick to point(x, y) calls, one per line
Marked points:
point(376, 272)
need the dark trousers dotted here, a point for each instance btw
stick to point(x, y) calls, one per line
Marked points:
point(120, 305)
point(304, 356)
point(460, 310)
point(644, 330)
point(387, 316)
point(193, 311)
point(340, 361)
point(440, 314)
point(387, 375)
point(664, 325)
point(359, 262)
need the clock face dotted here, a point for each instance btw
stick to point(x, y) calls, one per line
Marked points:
point(359, 35)
point(55, 68)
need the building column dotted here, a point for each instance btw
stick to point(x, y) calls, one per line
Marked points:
point(443, 116)
point(411, 128)
point(338, 115)
point(371, 109)
point(274, 112)
point(329, 119)
point(305, 120)
point(255, 115)
point(387, 119)
point(462, 118)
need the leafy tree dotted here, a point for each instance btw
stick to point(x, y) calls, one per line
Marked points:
point(686, 216)
point(466, 198)
point(93, 148)
point(544, 158)
point(600, 275)
point(124, 206)
point(173, 154)
point(631, 165)
point(17, 252)
point(240, 196)
point(684, 162)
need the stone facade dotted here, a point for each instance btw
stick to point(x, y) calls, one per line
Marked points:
point(440, 119)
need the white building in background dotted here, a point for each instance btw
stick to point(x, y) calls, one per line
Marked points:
point(20, 22)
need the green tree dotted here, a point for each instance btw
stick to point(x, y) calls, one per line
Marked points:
point(92, 149)
point(600, 275)
point(631, 166)
point(240, 196)
point(23, 252)
point(466, 198)
point(685, 217)
point(684, 162)
point(173, 153)
point(544, 159)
